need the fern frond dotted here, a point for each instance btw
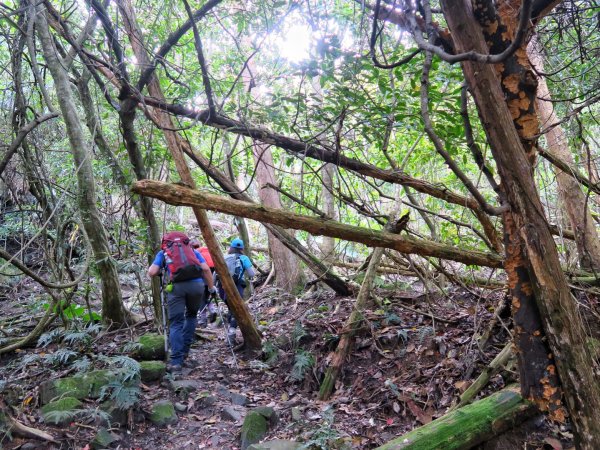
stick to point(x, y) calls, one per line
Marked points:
point(48, 338)
point(95, 415)
point(298, 333)
point(93, 328)
point(57, 417)
point(131, 347)
point(60, 356)
point(130, 367)
point(270, 353)
point(30, 359)
point(302, 362)
point(77, 338)
point(82, 364)
point(124, 397)
point(423, 333)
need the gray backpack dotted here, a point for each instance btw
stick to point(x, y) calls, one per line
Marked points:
point(235, 268)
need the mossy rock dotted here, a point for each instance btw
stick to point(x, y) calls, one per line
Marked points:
point(152, 347)
point(63, 405)
point(116, 414)
point(268, 413)
point(254, 429)
point(96, 380)
point(152, 370)
point(277, 444)
point(87, 385)
point(103, 439)
point(76, 387)
point(163, 413)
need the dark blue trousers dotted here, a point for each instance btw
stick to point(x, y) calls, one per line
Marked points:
point(183, 303)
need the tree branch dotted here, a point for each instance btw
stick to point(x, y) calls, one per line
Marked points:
point(183, 196)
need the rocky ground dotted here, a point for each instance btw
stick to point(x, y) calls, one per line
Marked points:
point(413, 358)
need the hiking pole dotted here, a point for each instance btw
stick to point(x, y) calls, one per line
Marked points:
point(226, 328)
point(164, 314)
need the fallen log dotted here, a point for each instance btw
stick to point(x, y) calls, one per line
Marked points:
point(184, 196)
point(482, 380)
point(470, 425)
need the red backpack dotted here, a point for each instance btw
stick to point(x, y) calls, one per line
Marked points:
point(206, 255)
point(180, 257)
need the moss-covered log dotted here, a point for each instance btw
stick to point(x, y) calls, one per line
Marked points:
point(468, 426)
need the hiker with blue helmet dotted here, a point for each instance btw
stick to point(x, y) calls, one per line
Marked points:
point(238, 265)
point(187, 272)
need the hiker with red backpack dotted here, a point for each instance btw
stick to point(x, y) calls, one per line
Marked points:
point(237, 264)
point(188, 273)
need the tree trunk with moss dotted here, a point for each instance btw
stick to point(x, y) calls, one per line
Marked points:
point(113, 312)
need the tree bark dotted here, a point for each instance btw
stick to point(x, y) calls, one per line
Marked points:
point(175, 194)
point(327, 173)
point(288, 271)
point(562, 324)
point(573, 199)
point(113, 312)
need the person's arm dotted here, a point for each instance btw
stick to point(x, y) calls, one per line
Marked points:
point(207, 276)
point(248, 266)
point(155, 267)
point(153, 270)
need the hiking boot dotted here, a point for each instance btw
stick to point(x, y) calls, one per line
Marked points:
point(190, 364)
point(174, 368)
point(231, 339)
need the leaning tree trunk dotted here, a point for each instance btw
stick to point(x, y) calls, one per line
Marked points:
point(562, 324)
point(539, 380)
point(356, 318)
point(175, 143)
point(176, 194)
point(573, 199)
point(113, 312)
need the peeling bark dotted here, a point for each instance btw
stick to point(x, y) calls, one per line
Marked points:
point(558, 310)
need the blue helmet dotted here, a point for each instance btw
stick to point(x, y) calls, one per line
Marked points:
point(237, 243)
